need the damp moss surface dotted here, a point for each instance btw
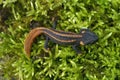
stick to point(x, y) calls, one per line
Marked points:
point(98, 61)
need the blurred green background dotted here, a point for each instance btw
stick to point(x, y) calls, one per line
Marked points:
point(99, 61)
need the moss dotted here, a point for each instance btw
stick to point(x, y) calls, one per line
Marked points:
point(98, 61)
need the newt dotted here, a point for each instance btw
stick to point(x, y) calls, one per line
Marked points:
point(60, 37)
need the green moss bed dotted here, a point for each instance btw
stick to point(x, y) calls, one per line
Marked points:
point(98, 61)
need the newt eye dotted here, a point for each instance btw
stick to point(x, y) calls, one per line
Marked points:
point(81, 43)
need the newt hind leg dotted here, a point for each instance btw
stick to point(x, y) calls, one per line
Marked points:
point(46, 47)
point(47, 38)
point(54, 19)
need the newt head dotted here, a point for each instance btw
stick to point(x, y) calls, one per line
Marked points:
point(88, 37)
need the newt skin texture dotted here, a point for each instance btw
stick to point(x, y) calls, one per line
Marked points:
point(60, 37)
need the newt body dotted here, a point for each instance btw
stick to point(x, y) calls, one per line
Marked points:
point(60, 37)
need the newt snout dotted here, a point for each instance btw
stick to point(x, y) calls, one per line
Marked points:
point(88, 36)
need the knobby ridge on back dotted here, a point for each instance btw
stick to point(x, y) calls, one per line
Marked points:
point(60, 37)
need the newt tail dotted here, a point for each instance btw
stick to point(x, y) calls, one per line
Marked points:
point(30, 38)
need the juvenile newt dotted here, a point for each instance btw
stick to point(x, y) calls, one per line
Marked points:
point(60, 37)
